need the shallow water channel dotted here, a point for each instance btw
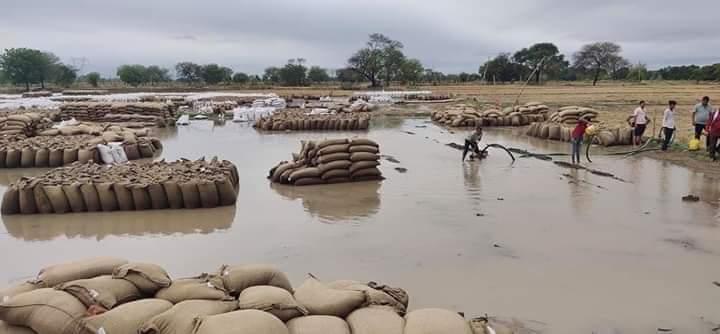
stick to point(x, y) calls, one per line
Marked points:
point(575, 252)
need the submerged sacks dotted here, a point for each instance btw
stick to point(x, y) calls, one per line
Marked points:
point(74, 197)
point(363, 165)
point(241, 322)
point(83, 269)
point(180, 319)
point(316, 324)
point(278, 302)
point(430, 321)
point(46, 311)
point(158, 198)
point(226, 192)
point(55, 158)
point(70, 155)
point(140, 197)
point(102, 290)
point(209, 197)
point(207, 287)
point(126, 318)
point(12, 158)
point(309, 181)
point(320, 299)
point(27, 158)
point(124, 197)
point(41, 200)
point(90, 197)
point(106, 195)
point(366, 172)
point(174, 195)
point(10, 329)
point(26, 199)
point(190, 195)
point(377, 294)
point(57, 199)
point(10, 202)
point(338, 164)
point(239, 278)
point(375, 320)
point(364, 156)
point(305, 172)
point(132, 152)
point(147, 277)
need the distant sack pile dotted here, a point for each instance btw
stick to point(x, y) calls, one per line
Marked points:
point(90, 187)
point(572, 114)
point(151, 114)
point(300, 121)
point(467, 116)
point(114, 296)
point(561, 123)
point(330, 161)
point(25, 123)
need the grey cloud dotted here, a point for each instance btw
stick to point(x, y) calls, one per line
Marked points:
point(451, 36)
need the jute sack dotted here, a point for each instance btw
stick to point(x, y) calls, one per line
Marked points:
point(324, 159)
point(146, 150)
point(329, 142)
point(12, 159)
point(10, 329)
point(209, 197)
point(318, 324)
point(74, 197)
point(338, 164)
point(375, 320)
point(57, 198)
point(126, 318)
point(241, 322)
point(338, 148)
point(320, 299)
point(309, 181)
point(158, 199)
point(364, 156)
point(239, 278)
point(102, 290)
point(124, 197)
point(427, 321)
point(90, 197)
point(70, 155)
point(13, 291)
point(27, 158)
point(554, 132)
point(362, 142)
point(3, 157)
point(46, 311)
point(336, 173)
point(55, 157)
point(180, 319)
point(278, 302)
point(363, 165)
point(10, 202)
point(132, 151)
point(106, 195)
point(364, 148)
point(205, 286)
point(140, 197)
point(174, 195)
point(147, 277)
point(190, 195)
point(72, 271)
point(41, 200)
point(226, 191)
point(305, 172)
point(544, 131)
point(85, 155)
point(377, 294)
point(366, 172)
point(26, 198)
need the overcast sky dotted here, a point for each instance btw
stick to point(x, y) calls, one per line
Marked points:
point(450, 36)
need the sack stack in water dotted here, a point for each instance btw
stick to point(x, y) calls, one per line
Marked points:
point(24, 123)
point(40, 93)
point(561, 132)
point(151, 114)
point(89, 187)
point(113, 295)
point(75, 92)
point(464, 115)
point(329, 162)
point(299, 121)
point(570, 115)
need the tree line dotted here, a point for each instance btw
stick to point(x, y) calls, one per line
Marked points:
point(380, 62)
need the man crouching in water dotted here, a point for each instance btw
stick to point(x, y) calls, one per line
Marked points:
point(471, 142)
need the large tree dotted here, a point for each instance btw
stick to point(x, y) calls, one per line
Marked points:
point(598, 58)
point(21, 66)
point(294, 73)
point(93, 78)
point(156, 74)
point(133, 75)
point(272, 75)
point(411, 71)
point(214, 74)
point(381, 58)
point(240, 78)
point(188, 72)
point(502, 69)
point(540, 57)
point(65, 75)
point(316, 74)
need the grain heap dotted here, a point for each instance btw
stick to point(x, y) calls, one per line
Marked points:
point(463, 115)
point(89, 187)
point(298, 120)
point(330, 161)
point(151, 114)
point(22, 123)
point(42, 93)
point(114, 296)
point(75, 92)
point(561, 123)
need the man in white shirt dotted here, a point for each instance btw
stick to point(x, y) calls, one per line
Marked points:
point(639, 123)
point(668, 124)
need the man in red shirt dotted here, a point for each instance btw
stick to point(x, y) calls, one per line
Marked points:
point(713, 133)
point(577, 139)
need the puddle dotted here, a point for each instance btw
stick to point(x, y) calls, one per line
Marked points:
point(577, 251)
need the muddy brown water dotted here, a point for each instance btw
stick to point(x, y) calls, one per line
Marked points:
point(578, 253)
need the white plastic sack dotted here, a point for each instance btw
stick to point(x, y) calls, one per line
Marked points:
point(105, 154)
point(183, 120)
point(118, 152)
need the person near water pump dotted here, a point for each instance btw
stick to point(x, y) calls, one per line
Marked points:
point(577, 139)
point(668, 124)
point(713, 133)
point(471, 142)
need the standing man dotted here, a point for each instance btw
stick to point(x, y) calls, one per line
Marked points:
point(668, 124)
point(713, 133)
point(701, 113)
point(639, 122)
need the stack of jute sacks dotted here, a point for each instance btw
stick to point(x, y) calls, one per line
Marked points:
point(89, 187)
point(24, 123)
point(561, 123)
point(298, 120)
point(41, 93)
point(463, 115)
point(330, 161)
point(74, 92)
point(114, 296)
point(152, 114)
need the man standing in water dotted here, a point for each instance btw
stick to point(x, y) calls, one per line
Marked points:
point(471, 142)
point(701, 113)
point(713, 133)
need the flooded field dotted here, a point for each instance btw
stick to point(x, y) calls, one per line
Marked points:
point(571, 251)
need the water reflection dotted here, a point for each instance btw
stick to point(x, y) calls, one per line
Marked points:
point(102, 225)
point(336, 202)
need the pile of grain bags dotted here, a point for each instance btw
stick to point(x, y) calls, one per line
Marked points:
point(463, 115)
point(570, 115)
point(41, 93)
point(90, 187)
point(24, 123)
point(300, 121)
point(561, 123)
point(75, 92)
point(330, 161)
point(150, 113)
